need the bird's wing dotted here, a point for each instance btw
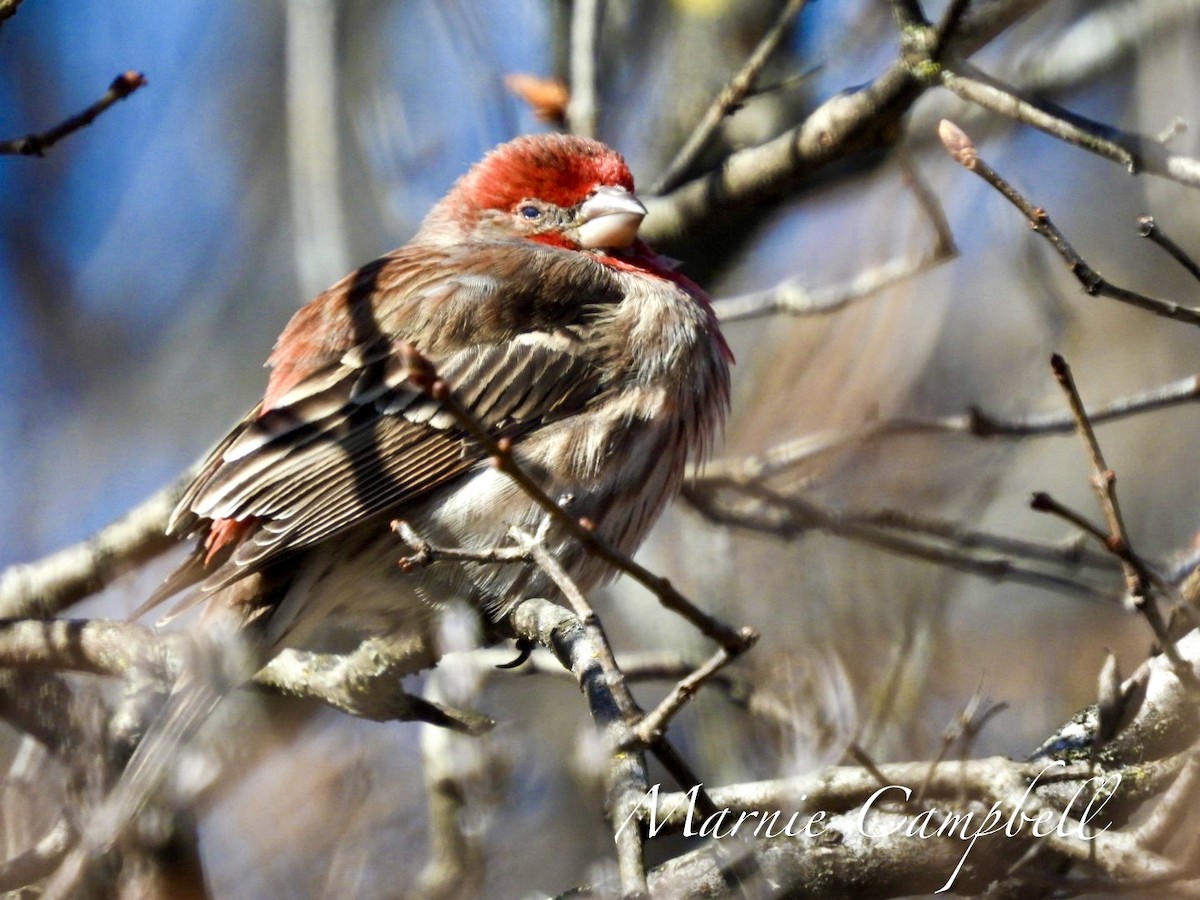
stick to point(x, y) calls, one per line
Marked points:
point(350, 439)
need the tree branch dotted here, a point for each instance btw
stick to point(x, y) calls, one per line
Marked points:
point(728, 100)
point(965, 154)
point(47, 587)
point(839, 127)
point(1136, 153)
point(37, 144)
point(8, 9)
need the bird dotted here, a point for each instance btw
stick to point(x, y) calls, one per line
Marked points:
point(599, 363)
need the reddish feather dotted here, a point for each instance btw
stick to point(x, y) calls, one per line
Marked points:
point(561, 169)
point(223, 533)
point(557, 168)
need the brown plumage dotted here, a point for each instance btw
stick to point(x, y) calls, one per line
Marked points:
point(527, 288)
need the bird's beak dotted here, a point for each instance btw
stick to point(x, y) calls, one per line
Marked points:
point(609, 219)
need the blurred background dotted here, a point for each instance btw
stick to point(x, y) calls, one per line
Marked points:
point(147, 263)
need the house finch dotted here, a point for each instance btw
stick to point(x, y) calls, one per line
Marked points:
point(550, 321)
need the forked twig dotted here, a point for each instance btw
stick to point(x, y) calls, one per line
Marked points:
point(963, 150)
point(728, 100)
point(1138, 574)
point(651, 728)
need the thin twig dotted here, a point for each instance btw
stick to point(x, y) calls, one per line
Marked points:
point(944, 246)
point(947, 25)
point(636, 667)
point(1070, 552)
point(425, 553)
point(908, 14)
point(729, 100)
point(1138, 577)
point(1104, 480)
point(653, 725)
point(758, 508)
point(964, 153)
point(976, 423)
point(1045, 503)
point(1148, 228)
point(37, 144)
point(546, 561)
point(1136, 153)
point(965, 726)
point(793, 298)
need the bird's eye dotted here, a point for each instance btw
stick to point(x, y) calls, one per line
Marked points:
point(530, 212)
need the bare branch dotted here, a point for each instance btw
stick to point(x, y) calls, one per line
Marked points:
point(49, 586)
point(964, 152)
point(559, 631)
point(314, 154)
point(947, 25)
point(757, 508)
point(41, 859)
point(99, 647)
point(841, 126)
point(367, 683)
point(793, 298)
point(729, 100)
point(1098, 39)
point(1056, 783)
point(545, 561)
point(977, 423)
point(460, 775)
point(37, 144)
point(1136, 153)
point(908, 14)
point(1162, 824)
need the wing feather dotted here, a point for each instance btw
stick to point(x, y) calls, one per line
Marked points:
point(343, 438)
